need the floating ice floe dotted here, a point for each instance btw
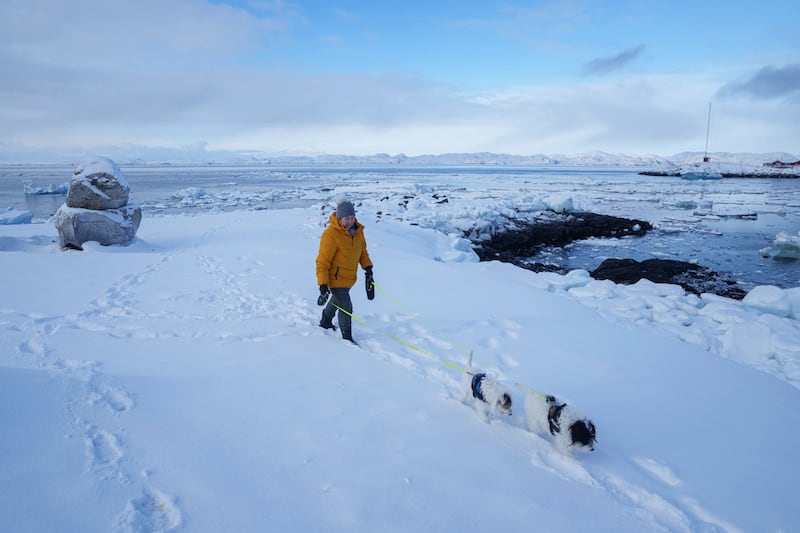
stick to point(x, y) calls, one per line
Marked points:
point(12, 216)
point(784, 246)
point(30, 187)
point(189, 193)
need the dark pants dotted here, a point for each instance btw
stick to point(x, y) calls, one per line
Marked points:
point(340, 298)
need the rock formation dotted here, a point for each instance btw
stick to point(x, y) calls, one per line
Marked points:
point(97, 208)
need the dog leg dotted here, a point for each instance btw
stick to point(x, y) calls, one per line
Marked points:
point(483, 410)
point(465, 388)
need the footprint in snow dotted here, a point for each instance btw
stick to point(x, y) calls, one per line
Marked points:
point(667, 515)
point(563, 466)
point(153, 511)
point(508, 361)
point(33, 347)
point(115, 399)
point(509, 328)
point(658, 470)
point(104, 452)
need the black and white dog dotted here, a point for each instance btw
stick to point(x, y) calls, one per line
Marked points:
point(490, 396)
point(545, 414)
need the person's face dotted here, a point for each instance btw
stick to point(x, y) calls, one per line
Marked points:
point(347, 222)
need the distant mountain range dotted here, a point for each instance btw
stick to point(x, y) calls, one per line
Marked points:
point(596, 158)
point(132, 155)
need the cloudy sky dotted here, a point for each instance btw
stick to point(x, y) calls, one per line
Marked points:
point(366, 77)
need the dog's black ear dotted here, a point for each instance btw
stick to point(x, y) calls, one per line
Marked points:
point(582, 432)
point(505, 402)
point(550, 398)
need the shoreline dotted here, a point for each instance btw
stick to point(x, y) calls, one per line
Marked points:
point(762, 175)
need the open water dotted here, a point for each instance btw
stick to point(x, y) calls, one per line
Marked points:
point(721, 224)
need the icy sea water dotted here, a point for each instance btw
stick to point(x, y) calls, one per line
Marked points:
point(720, 224)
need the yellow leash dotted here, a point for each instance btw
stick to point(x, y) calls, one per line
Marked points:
point(416, 316)
point(528, 389)
point(417, 348)
point(399, 340)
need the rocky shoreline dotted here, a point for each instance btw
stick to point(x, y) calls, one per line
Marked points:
point(525, 238)
point(762, 175)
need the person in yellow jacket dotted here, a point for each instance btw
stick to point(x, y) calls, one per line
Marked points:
point(342, 248)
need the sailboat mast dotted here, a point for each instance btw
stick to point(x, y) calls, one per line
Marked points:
point(708, 130)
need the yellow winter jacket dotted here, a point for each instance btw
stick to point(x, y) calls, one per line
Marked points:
point(340, 254)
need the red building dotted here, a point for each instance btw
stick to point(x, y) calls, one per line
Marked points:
point(781, 164)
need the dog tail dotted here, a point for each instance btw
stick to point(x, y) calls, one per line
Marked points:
point(469, 361)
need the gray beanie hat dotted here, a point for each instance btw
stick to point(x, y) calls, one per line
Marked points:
point(345, 209)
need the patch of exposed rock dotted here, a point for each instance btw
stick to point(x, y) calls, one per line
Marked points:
point(527, 238)
point(693, 278)
point(524, 239)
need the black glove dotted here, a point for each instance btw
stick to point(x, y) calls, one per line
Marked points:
point(370, 282)
point(323, 294)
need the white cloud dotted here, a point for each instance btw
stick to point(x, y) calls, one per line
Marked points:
point(146, 34)
point(91, 72)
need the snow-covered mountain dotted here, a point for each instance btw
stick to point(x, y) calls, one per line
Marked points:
point(595, 158)
point(198, 154)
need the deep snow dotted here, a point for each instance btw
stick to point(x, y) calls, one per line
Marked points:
point(181, 382)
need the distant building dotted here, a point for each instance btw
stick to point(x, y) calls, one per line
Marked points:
point(781, 164)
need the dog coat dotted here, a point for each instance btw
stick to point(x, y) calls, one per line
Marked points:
point(476, 386)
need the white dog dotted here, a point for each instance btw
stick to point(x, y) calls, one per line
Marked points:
point(490, 396)
point(545, 414)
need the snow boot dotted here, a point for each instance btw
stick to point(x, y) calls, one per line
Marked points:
point(327, 323)
point(348, 336)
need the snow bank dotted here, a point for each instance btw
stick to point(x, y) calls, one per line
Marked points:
point(12, 216)
point(211, 401)
point(762, 331)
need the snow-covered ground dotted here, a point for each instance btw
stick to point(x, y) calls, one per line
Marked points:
point(181, 383)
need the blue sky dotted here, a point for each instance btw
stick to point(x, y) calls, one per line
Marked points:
point(401, 77)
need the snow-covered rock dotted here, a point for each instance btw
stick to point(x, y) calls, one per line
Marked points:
point(98, 183)
point(97, 206)
point(108, 226)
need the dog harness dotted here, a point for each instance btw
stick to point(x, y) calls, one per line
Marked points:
point(476, 386)
point(554, 415)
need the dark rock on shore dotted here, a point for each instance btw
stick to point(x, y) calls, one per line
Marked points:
point(525, 238)
point(528, 237)
point(754, 174)
point(693, 278)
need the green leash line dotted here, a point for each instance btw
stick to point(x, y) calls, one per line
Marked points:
point(399, 340)
point(426, 324)
point(416, 316)
point(389, 296)
point(530, 390)
point(417, 348)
